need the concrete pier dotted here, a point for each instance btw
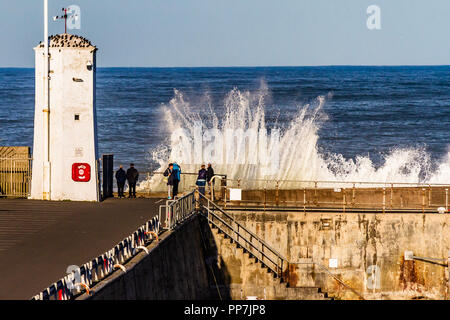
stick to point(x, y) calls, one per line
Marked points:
point(40, 239)
point(329, 251)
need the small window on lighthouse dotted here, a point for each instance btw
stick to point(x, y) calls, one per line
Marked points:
point(77, 117)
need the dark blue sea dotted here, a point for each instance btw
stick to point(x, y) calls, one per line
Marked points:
point(369, 111)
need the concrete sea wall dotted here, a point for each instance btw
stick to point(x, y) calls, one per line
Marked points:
point(174, 269)
point(365, 251)
point(368, 248)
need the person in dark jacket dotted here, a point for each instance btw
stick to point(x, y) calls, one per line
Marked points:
point(121, 177)
point(169, 174)
point(176, 178)
point(209, 175)
point(132, 177)
point(201, 180)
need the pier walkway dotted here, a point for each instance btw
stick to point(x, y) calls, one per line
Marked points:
point(40, 239)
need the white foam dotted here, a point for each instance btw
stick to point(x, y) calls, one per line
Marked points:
point(299, 158)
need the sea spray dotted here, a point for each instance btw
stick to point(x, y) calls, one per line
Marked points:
point(238, 142)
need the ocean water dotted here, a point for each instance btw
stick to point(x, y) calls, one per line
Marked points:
point(335, 123)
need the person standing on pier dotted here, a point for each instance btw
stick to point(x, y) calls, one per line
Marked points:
point(176, 178)
point(121, 177)
point(209, 176)
point(201, 180)
point(169, 174)
point(132, 177)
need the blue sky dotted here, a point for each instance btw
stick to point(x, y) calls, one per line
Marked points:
point(186, 33)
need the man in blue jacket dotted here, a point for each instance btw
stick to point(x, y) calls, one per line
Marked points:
point(176, 178)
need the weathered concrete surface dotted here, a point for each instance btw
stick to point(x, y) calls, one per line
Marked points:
point(242, 276)
point(195, 262)
point(174, 269)
point(391, 198)
point(40, 239)
point(357, 241)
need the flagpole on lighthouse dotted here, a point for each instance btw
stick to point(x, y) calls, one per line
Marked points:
point(46, 111)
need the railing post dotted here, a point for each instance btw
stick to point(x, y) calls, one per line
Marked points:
point(423, 200)
point(384, 200)
point(353, 195)
point(169, 211)
point(429, 196)
point(392, 195)
point(304, 200)
point(277, 194)
point(265, 196)
point(344, 200)
point(316, 202)
point(197, 199)
point(446, 199)
point(223, 186)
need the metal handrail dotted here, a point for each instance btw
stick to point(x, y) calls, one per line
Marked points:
point(178, 210)
point(263, 250)
point(242, 227)
point(427, 196)
point(279, 255)
point(278, 266)
point(186, 173)
point(418, 184)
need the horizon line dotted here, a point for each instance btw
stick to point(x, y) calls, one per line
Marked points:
point(257, 66)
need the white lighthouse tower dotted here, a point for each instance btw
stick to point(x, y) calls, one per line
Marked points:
point(65, 129)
